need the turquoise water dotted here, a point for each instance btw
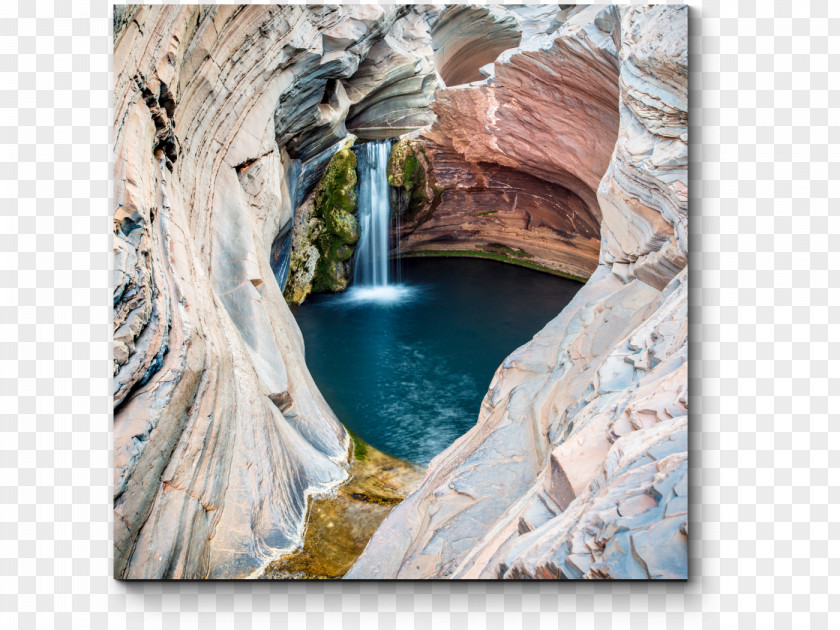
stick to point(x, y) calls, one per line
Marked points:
point(406, 366)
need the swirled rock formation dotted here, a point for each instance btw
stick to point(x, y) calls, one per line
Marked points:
point(391, 91)
point(577, 466)
point(467, 37)
point(220, 433)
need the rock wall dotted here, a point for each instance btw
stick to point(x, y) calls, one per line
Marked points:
point(219, 431)
point(577, 466)
point(448, 204)
point(391, 91)
point(467, 37)
point(513, 162)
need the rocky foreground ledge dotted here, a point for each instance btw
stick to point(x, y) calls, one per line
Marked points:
point(226, 120)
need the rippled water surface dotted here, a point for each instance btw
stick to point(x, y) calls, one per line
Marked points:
point(406, 366)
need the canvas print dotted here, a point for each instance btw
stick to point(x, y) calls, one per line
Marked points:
point(400, 292)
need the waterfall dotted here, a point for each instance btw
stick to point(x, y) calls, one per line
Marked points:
point(372, 280)
point(374, 215)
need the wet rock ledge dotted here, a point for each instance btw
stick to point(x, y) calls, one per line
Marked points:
point(340, 524)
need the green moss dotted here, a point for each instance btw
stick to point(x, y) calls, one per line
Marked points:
point(360, 447)
point(411, 166)
point(335, 205)
point(340, 251)
point(343, 226)
point(396, 161)
point(335, 194)
point(484, 214)
point(330, 276)
point(407, 171)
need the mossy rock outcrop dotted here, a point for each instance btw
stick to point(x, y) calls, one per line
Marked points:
point(340, 524)
point(302, 266)
point(408, 169)
point(335, 197)
point(325, 232)
point(335, 204)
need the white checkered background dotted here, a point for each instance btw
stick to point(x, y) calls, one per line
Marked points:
point(765, 269)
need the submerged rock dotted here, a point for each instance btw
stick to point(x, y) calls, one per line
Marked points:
point(340, 524)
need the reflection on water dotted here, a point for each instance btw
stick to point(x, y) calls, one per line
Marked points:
point(406, 366)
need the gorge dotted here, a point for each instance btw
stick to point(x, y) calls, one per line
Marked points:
point(274, 155)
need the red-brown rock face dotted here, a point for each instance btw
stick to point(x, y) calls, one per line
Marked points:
point(488, 208)
point(516, 161)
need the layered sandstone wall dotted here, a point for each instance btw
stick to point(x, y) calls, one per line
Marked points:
point(512, 163)
point(448, 204)
point(577, 466)
point(391, 91)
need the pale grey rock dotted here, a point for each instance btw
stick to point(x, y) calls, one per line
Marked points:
point(313, 105)
point(391, 91)
point(651, 155)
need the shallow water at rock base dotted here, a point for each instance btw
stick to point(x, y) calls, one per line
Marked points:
point(406, 368)
point(340, 524)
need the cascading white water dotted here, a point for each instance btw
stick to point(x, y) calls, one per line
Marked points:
point(371, 278)
point(374, 215)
